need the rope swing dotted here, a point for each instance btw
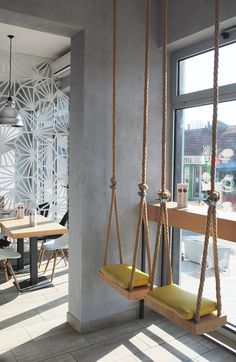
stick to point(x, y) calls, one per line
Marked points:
point(164, 194)
point(143, 187)
point(213, 195)
point(192, 312)
point(126, 278)
point(114, 204)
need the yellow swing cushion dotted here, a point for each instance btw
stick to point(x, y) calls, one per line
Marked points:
point(181, 302)
point(120, 274)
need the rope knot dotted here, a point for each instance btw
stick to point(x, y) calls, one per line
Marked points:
point(164, 195)
point(143, 188)
point(213, 197)
point(113, 183)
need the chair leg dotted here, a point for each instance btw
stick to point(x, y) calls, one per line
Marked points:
point(49, 258)
point(41, 255)
point(41, 250)
point(3, 263)
point(5, 270)
point(54, 264)
point(14, 276)
point(63, 257)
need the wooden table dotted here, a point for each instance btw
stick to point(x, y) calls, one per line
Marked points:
point(20, 229)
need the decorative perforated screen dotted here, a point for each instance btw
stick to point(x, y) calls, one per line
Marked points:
point(34, 160)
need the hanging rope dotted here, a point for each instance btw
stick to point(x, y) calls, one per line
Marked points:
point(213, 195)
point(163, 194)
point(142, 216)
point(114, 205)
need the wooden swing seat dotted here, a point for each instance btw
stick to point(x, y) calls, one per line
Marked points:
point(178, 305)
point(118, 276)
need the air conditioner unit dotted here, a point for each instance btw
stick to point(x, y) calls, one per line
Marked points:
point(61, 66)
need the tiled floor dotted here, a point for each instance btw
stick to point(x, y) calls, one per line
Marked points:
point(33, 328)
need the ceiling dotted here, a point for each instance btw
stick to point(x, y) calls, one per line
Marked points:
point(33, 42)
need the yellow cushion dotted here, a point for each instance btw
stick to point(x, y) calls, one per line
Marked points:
point(120, 274)
point(180, 301)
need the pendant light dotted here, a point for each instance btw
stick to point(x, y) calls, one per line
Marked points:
point(9, 115)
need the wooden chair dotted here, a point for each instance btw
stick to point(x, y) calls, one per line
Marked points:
point(56, 248)
point(5, 255)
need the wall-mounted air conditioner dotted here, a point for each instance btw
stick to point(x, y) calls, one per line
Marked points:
point(61, 66)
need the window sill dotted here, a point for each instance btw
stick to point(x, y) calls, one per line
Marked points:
point(193, 219)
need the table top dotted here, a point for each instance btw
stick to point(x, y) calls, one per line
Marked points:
point(20, 228)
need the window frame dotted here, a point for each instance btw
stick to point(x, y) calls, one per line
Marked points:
point(178, 101)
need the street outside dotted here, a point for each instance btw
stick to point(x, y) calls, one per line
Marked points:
point(190, 273)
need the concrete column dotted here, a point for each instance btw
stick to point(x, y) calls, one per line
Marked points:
point(93, 304)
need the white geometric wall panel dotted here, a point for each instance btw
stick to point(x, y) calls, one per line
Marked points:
point(34, 159)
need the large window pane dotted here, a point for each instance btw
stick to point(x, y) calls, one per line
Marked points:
point(196, 72)
point(193, 152)
point(194, 127)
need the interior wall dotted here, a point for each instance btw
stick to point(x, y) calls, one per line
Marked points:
point(192, 21)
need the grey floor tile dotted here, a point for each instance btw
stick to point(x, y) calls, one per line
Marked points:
point(2, 300)
point(160, 354)
point(44, 348)
point(12, 321)
point(113, 350)
point(51, 328)
point(164, 332)
point(185, 350)
point(152, 318)
point(208, 344)
point(62, 358)
point(115, 331)
point(216, 355)
point(13, 338)
point(131, 359)
point(7, 357)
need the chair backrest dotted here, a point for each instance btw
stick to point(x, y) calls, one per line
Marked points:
point(64, 220)
point(44, 208)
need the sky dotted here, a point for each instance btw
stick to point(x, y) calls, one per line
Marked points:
point(197, 74)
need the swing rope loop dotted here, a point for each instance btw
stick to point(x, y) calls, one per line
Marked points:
point(114, 203)
point(213, 195)
point(143, 187)
point(113, 183)
point(164, 195)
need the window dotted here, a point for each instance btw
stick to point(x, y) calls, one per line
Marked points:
point(196, 72)
point(192, 104)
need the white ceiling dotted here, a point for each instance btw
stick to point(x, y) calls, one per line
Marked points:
point(33, 42)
